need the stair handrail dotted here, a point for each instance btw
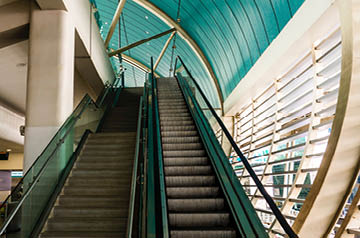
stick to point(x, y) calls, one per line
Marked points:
point(135, 173)
point(41, 171)
point(279, 216)
point(69, 122)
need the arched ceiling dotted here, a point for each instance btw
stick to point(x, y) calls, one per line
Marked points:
point(232, 34)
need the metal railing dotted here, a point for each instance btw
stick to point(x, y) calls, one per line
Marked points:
point(135, 173)
point(281, 219)
point(155, 226)
point(60, 148)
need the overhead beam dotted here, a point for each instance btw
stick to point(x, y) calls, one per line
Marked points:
point(140, 42)
point(164, 50)
point(114, 21)
point(137, 64)
point(187, 38)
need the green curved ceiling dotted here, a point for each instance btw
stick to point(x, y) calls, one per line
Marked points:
point(231, 33)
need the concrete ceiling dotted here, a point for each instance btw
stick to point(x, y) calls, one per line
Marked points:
point(13, 71)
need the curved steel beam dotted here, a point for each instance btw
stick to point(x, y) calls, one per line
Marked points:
point(340, 165)
point(188, 39)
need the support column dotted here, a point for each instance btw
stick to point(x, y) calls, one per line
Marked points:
point(50, 84)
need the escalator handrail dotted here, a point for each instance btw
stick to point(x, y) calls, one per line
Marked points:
point(281, 219)
point(134, 173)
point(155, 161)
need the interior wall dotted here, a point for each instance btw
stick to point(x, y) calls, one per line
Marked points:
point(81, 87)
point(15, 162)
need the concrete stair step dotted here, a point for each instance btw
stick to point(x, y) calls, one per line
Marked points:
point(100, 173)
point(106, 159)
point(81, 234)
point(78, 201)
point(127, 151)
point(95, 182)
point(83, 212)
point(90, 191)
point(86, 224)
point(102, 165)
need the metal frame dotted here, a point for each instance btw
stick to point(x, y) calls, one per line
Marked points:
point(114, 21)
point(280, 218)
point(188, 39)
point(140, 42)
point(134, 174)
point(166, 45)
point(277, 125)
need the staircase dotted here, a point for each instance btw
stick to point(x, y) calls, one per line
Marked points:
point(94, 201)
point(196, 205)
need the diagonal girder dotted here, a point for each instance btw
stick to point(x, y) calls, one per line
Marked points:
point(114, 21)
point(140, 42)
point(188, 39)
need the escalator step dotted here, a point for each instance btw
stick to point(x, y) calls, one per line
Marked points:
point(185, 161)
point(192, 192)
point(165, 111)
point(189, 181)
point(182, 146)
point(196, 205)
point(178, 128)
point(185, 153)
point(228, 233)
point(192, 139)
point(178, 118)
point(176, 122)
point(199, 219)
point(175, 115)
point(178, 133)
point(187, 170)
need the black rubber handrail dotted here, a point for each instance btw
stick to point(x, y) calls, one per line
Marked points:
point(279, 216)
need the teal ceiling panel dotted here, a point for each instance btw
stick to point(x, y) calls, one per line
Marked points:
point(231, 33)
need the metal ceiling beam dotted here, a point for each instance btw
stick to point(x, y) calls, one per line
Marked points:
point(189, 40)
point(164, 50)
point(114, 21)
point(137, 64)
point(140, 42)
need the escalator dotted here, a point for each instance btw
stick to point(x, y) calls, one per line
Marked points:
point(196, 205)
point(142, 162)
point(95, 198)
point(192, 190)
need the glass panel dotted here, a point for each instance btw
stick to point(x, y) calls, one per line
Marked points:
point(48, 168)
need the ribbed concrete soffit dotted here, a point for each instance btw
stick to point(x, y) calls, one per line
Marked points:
point(232, 34)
